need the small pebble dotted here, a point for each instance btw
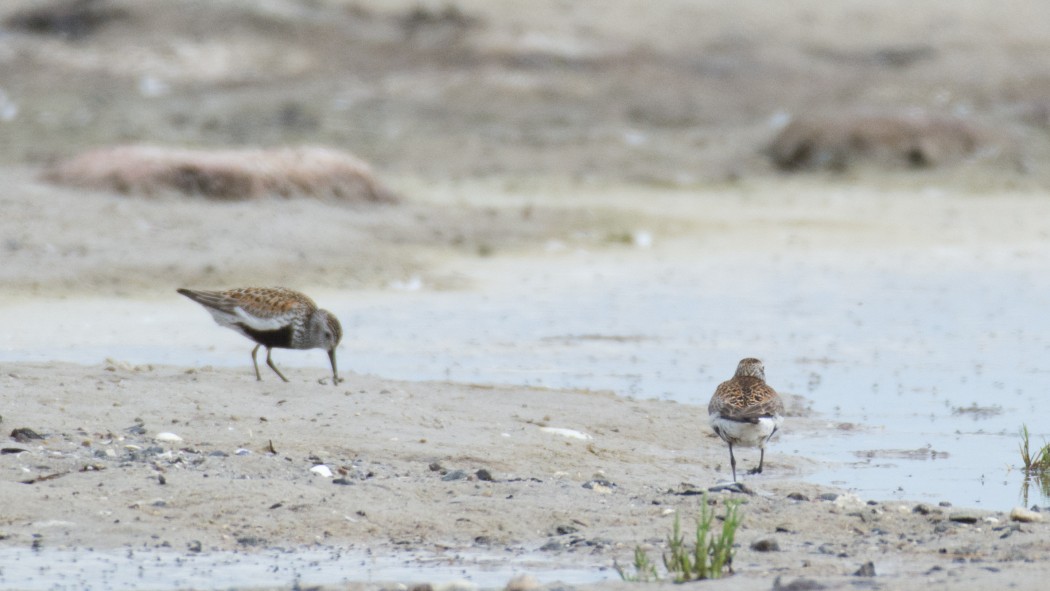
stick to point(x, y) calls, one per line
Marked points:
point(866, 570)
point(599, 486)
point(454, 475)
point(168, 437)
point(922, 509)
point(551, 546)
point(522, 583)
point(963, 517)
point(828, 496)
point(1024, 515)
point(23, 435)
point(484, 475)
point(765, 545)
point(797, 496)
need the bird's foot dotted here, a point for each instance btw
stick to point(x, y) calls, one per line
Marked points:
point(755, 470)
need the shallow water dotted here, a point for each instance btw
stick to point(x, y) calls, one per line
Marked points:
point(935, 361)
point(62, 570)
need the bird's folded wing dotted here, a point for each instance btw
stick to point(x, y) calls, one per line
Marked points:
point(259, 323)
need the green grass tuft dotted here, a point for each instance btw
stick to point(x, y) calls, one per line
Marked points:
point(1040, 462)
point(1036, 467)
point(709, 557)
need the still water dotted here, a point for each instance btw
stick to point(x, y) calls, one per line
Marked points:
point(934, 363)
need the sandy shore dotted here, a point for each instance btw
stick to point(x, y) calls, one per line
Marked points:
point(567, 479)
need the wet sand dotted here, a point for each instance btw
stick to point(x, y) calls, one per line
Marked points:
point(561, 478)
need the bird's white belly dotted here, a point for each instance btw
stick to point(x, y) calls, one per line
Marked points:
point(746, 434)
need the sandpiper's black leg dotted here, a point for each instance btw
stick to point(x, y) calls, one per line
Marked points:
point(732, 461)
point(272, 366)
point(335, 372)
point(761, 458)
point(258, 377)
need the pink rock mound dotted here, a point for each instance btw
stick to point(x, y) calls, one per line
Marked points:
point(224, 174)
point(838, 142)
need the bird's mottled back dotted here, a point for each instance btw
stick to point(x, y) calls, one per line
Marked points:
point(746, 397)
point(270, 301)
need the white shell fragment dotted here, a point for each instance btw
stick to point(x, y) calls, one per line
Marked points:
point(168, 437)
point(570, 433)
point(322, 470)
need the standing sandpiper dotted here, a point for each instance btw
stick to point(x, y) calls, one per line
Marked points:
point(273, 317)
point(745, 411)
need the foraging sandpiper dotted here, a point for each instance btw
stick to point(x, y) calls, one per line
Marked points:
point(273, 317)
point(745, 411)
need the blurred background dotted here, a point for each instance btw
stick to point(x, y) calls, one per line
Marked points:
point(675, 93)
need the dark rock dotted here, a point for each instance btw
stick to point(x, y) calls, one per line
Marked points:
point(218, 454)
point(24, 435)
point(68, 19)
point(944, 504)
point(484, 475)
point(922, 509)
point(765, 545)
point(423, 587)
point(866, 570)
point(828, 496)
point(342, 481)
point(562, 530)
point(454, 475)
point(552, 546)
point(590, 484)
point(483, 541)
point(136, 429)
point(251, 541)
point(797, 496)
point(13, 450)
point(194, 546)
point(963, 517)
point(434, 467)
